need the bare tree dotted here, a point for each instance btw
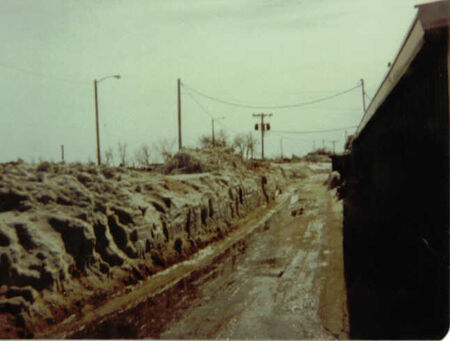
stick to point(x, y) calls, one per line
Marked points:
point(165, 148)
point(123, 155)
point(239, 143)
point(142, 156)
point(109, 156)
point(250, 144)
point(220, 140)
point(205, 141)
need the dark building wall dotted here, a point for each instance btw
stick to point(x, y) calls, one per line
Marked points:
point(396, 207)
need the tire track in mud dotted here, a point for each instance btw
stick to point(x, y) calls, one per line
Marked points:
point(278, 275)
point(289, 282)
point(124, 316)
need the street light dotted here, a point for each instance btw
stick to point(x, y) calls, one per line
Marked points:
point(99, 160)
point(212, 120)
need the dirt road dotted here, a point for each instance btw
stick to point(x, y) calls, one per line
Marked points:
point(277, 275)
point(285, 281)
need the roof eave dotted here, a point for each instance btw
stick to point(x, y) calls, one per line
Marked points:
point(429, 16)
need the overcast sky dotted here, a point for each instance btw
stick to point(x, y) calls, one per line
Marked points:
point(248, 51)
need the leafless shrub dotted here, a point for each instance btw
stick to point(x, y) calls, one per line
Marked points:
point(183, 163)
point(205, 141)
point(245, 144)
point(239, 143)
point(123, 154)
point(43, 166)
point(109, 156)
point(220, 140)
point(165, 148)
point(142, 156)
point(250, 144)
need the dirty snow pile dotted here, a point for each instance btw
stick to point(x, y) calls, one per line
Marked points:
point(71, 234)
point(204, 160)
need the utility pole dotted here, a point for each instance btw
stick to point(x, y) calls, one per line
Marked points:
point(179, 114)
point(263, 127)
point(314, 145)
point(62, 153)
point(363, 94)
point(213, 140)
point(99, 158)
point(281, 147)
point(212, 121)
point(334, 145)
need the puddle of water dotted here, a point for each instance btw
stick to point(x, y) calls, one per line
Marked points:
point(294, 199)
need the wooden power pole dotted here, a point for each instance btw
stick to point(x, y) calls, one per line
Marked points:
point(62, 153)
point(99, 157)
point(263, 127)
point(212, 136)
point(363, 94)
point(180, 145)
point(334, 145)
point(213, 139)
point(281, 147)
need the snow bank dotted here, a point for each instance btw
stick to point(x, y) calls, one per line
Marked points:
point(71, 235)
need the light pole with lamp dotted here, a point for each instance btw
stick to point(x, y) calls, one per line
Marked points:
point(212, 120)
point(99, 160)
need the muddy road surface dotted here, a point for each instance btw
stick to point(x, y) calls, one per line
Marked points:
point(279, 275)
point(284, 281)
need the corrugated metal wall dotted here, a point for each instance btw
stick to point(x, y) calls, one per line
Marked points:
point(396, 207)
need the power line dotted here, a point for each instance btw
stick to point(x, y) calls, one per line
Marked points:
point(296, 105)
point(277, 132)
point(43, 75)
point(312, 131)
point(208, 113)
point(198, 103)
point(227, 127)
point(295, 138)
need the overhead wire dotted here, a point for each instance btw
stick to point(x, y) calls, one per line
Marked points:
point(273, 131)
point(43, 75)
point(295, 138)
point(200, 105)
point(293, 135)
point(296, 105)
point(226, 127)
point(207, 112)
point(313, 131)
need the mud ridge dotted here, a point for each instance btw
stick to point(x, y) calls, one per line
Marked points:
point(72, 235)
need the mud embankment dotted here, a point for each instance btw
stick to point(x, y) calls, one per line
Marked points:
point(71, 236)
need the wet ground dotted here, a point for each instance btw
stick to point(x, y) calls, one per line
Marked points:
point(278, 275)
point(286, 281)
